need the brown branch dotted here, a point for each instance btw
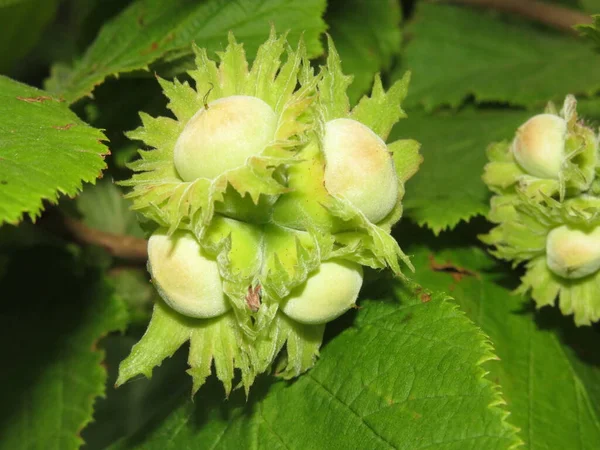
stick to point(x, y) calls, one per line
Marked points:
point(546, 13)
point(456, 272)
point(126, 247)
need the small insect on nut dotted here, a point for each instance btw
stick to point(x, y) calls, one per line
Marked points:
point(253, 298)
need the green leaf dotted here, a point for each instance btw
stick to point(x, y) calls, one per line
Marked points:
point(367, 36)
point(448, 186)
point(547, 367)
point(104, 208)
point(45, 150)
point(127, 408)
point(74, 27)
point(53, 313)
point(149, 29)
point(15, 16)
point(419, 383)
point(459, 52)
point(134, 287)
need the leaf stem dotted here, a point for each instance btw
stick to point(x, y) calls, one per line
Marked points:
point(552, 15)
point(121, 246)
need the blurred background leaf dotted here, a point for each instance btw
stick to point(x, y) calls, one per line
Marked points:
point(103, 207)
point(448, 187)
point(17, 16)
point(367, 37)
point(54, 311)
point(455, 53)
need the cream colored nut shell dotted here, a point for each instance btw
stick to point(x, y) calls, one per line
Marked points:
point(539, 146)
point(186, 279)
point(326, 294)
point(572, 253)
point(360, 168)
point(224, 136)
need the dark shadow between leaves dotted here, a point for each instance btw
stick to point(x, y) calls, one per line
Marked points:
point(210, 398)
point(582, 340)
point(408, 234)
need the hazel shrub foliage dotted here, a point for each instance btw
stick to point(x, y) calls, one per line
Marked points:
point(268, 195)
point(546, 208)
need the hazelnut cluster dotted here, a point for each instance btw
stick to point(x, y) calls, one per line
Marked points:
point(546, 205)
point(267, 195)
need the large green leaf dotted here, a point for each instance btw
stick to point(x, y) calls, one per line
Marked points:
point(148, 29)
point(548, 368)
point(45, 150)
point(448, 186)
point(367, 36)
point(53, 313)
point(405, 375)
point(459, 52)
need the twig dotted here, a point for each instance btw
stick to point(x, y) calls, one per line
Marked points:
point(456, 272)
point(126, 247)
point(555, 16)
